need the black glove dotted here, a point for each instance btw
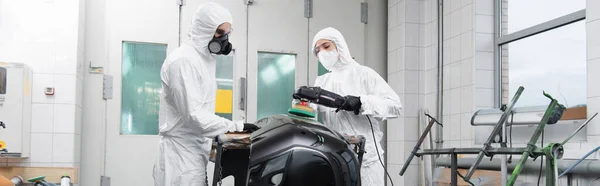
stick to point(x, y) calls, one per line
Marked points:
point(250, 127)
point(352, 104)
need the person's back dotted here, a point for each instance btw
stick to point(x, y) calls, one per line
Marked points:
point(187, 121)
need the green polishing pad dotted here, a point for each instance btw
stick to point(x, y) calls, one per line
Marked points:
point(34, 179)
point(299, 112)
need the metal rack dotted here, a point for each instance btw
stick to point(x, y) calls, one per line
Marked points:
point(552, 152)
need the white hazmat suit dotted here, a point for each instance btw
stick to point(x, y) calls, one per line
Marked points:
point(187, 119)
point(379, 101)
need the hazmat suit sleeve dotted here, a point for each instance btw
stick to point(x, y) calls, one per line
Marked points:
point(381, 102)
point(189, 96)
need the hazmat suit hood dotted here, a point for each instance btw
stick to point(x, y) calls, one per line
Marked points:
point(337, 38)
point(205, 21)
point(187, 119)
point(378, 100)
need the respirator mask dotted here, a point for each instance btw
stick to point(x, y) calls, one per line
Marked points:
point(220, 45)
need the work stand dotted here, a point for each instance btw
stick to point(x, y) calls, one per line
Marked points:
point(552, 152)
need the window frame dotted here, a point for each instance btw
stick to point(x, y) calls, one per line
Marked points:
point(501, 40)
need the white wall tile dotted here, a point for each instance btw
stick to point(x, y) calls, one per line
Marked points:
point(41, 148)
point(64, 118)
point(411, 106)
point(593, 89)
point(394, 130)
point(456, 24)
point(466, 72)
point(412, 83)
point(467, 18)
point(396, 82)
point(395, 152)
point(401, 56)
point(446, 102)
point(455, 49)
point(454, 127)
point(593, 10)
point(466, 42)
point(447, 52)
point(79, 94)
point(392, 17)
point(484, 7)
point(43, 60)
point(484, 24)
point(484, 98)
point(593, 52)
point(412, 31)
point(401, 8)
point(411, 129)
point(454, 5)
point(466, 129)
point(40, 82)
point(392, 62)
point(455, 101)
point(65, 90)
point(446, 77)
point(66, 63)
point(484, 79)
point(393, 39)
point(484, 60)
point(42, 119)
point(77, 148)
point(63, 148)
point(484, 42)
point(426, 34)
point(466, 99)
point(412, 60)
point(426, 14)
point(78, 120)
point(392, 2)
point(466, 143)
point(455, 75)
point(447, 26)
point(412, 11)
point(466, 2)
point(447, 7)
point(593, 40)
point(447, 133)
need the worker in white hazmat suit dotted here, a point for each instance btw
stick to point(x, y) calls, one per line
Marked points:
point(368, 99)
point(187, 120)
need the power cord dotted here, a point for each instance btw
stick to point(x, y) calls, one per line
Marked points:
point(379, 155)
point(541, 160)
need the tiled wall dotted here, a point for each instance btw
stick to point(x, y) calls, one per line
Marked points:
point(41, 35)
point(412, 74)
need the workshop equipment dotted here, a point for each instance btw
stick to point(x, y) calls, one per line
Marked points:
point(15, 108)
point(40, 181)
point(552, 152)
point(289, 150)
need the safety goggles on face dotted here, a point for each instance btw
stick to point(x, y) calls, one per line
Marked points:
point(222, 32)
point(323, 46)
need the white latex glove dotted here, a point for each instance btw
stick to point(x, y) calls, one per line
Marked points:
point(238, 126)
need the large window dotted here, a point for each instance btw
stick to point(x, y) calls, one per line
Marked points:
point(542, 47)
point(141, 87)
point(276, 79)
